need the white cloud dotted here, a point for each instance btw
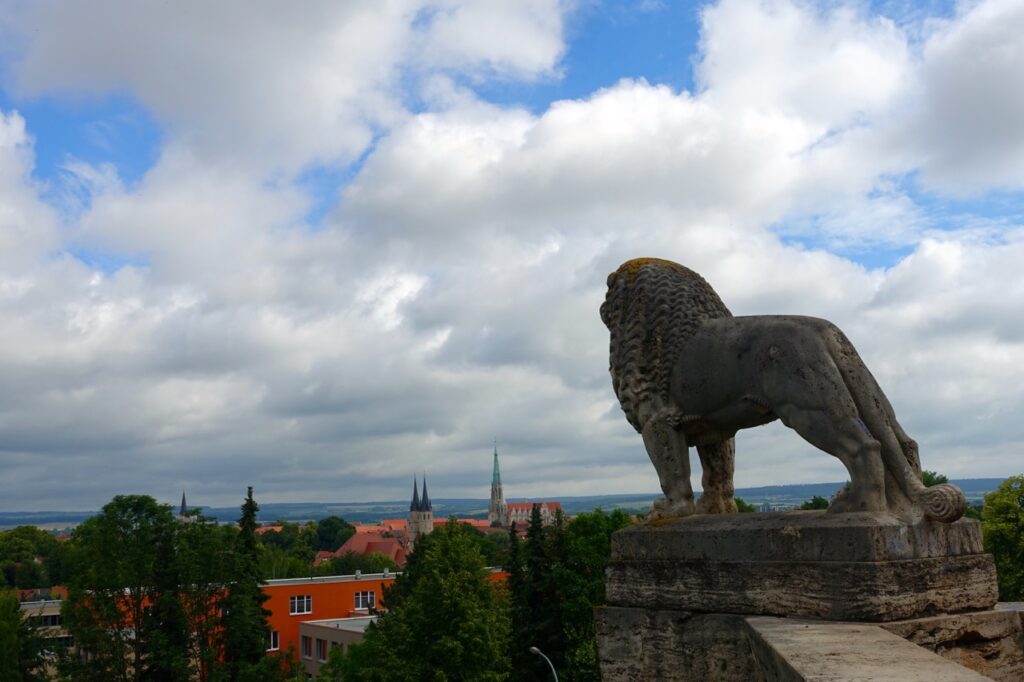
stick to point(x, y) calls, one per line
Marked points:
point(274, 86)
point(451, 295)
point(969, 129)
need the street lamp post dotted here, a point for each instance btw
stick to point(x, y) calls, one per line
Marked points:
point(538, 652)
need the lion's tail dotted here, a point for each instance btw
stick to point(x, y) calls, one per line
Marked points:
point(943, 502)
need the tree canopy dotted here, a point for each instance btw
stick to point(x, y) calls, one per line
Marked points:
point(1003, 529)
point(445, 620)
point(816, 502)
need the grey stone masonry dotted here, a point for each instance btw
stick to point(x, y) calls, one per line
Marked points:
point(864, 566)
point(988, 642)
point(812, 651)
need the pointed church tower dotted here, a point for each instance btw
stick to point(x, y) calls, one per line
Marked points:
point(497, 512)
point(421, 514)
point(183, 511)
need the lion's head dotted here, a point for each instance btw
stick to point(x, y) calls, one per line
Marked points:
point(652, 305)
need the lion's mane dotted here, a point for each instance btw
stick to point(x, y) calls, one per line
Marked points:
point(651, 307)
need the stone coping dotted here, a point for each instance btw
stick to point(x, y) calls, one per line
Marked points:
point(795, 650)
point(814, 535)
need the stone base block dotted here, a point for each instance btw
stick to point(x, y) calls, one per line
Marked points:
point(861, 567)
point(987, 642)
point(640, 644)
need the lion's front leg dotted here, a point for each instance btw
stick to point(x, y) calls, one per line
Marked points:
point(666, 446)
point(718, 462)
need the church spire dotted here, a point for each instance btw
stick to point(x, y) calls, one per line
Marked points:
point(496, 476)
point(425, 503)
point(497, 512)
point(415, 505)
point(184, 508)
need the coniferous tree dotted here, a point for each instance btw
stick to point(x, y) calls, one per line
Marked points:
point(205, 552)
point(540, 598)
point(519, 611)
point(167, 633)
point(245, 629)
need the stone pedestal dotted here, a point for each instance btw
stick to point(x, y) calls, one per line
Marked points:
point(681, 594)
point(853, 567)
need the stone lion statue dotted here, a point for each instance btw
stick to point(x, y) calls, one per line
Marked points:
point(687, 372)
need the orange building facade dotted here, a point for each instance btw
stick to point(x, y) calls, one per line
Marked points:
point(294, 600)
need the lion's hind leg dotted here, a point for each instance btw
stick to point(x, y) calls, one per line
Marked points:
point(718, 462)
point(846, 437)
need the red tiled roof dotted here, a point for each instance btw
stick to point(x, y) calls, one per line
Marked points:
point(364, 543)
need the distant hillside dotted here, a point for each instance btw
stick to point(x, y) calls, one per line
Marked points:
point(370, 512)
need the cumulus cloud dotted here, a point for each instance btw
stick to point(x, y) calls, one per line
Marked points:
point(969, 128)
point(451, 294)
point(268, 85)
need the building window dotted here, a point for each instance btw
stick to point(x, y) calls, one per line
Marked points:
point(321, 650)
point(275, 641)
point(365, 600)
point(307, 647)
point(300, 603)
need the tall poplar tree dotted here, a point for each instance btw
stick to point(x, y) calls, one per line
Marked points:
point(245, 620)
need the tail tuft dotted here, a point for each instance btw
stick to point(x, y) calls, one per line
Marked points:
point(943, 502)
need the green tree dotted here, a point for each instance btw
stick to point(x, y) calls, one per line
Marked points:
point(167, 642)
point(744, 507)
point(21, 648)
point(589, 549)
point(816, 502)
point(930, 478)
point(112, 578)
point(332, 532)
point(519, 608)
point(1003, 531)
point(205, 556)
point(444, 621)
point(31, 557)
point(245, 619)
point(540, 556)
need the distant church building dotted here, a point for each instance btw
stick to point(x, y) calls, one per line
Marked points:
point(504, 514)
point(421, 514)
point(183, 514)
point(497, 513)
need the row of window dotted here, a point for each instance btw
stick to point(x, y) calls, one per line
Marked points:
point(49, 621)
point(301, 604)
point(321, 648)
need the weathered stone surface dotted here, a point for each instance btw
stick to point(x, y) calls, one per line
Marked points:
point(811, 651)
point(863, 567)
point(640, 644)
point(988, 642)
point(868, 591)
point(797, 536)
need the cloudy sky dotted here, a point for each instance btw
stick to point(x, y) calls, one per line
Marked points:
point(320, 250)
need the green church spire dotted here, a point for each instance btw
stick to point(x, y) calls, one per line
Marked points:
point(496, 477)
